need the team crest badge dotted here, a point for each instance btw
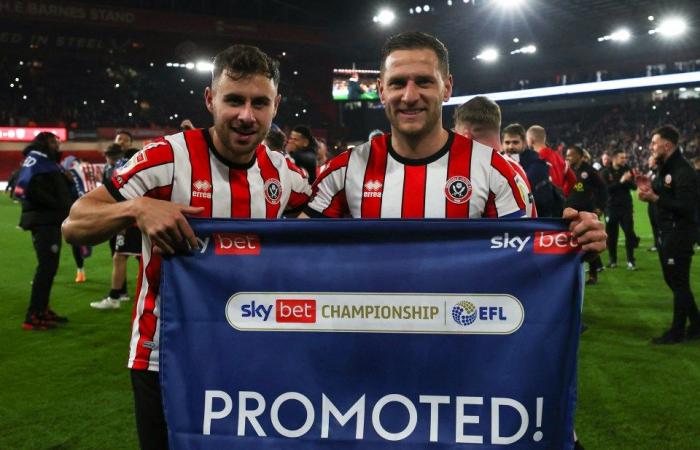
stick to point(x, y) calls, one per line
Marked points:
point(667, 179)
point(458, 190)
point(584, 175)
point(273, 191)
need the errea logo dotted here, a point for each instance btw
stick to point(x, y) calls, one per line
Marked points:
point(372, 189)
point(201, 189)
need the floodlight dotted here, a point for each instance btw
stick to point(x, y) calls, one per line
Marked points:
point(385, 17)
point(488, 55)
point(671, 27)
point(527, 49)
point(204, 66)
point(622, 35)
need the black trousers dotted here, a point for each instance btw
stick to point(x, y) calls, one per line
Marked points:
point(675, 254)
point(620, 218)
point(651, 212)
point(78, 256)
point(47, 246)
point(148, 404)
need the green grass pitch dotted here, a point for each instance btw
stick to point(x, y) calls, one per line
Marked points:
point(69, 388)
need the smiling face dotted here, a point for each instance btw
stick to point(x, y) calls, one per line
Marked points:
point(412, 90)
point(243, 109)
point(513, 143)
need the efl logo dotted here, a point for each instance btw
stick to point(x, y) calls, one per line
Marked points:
point(236, 244)
point(555, 242)
point(298, 311)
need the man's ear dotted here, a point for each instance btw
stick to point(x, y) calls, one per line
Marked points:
point(209, 99)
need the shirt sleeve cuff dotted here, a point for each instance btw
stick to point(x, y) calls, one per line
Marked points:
point(314, 214)
point(114, 191)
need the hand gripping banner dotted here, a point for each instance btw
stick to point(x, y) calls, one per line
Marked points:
point(347, 334)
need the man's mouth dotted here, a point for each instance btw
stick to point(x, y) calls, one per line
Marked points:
point(410, 112)
point(244, 132)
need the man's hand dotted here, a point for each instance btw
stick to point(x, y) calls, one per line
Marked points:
point(646, 194)
point(165, 224)
point(587, 229)
point(626, 177)
point(187, 125)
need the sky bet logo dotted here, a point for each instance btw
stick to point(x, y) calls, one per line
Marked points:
point(551, 242)
point(236, 244)
point(290, 311)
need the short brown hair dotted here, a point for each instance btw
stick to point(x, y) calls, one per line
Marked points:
point(240, 61)
point(668, 132)
point(415, 40)
point(515, 129)
point(479, 110)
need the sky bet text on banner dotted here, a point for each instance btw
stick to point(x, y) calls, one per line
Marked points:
point(372, 335)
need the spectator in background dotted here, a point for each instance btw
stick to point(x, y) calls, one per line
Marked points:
point(276, 140)
point(562, 176)
point(46, 197)
point(480, 119)
point(587, 194)
point(115, 158)
point(124, 139)
point(321, 154)
point(675, 193)
point(301, 146)
point(548, 199)
point(619, 179)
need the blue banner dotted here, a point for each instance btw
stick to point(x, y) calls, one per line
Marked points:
point(350, 334)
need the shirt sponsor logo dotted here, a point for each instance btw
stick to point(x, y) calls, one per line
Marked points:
point(372, 189)
point(236, 244)
point(555, 242)
point(273, 191)
point(201, 189)
point(458, 189)
point(375, 312)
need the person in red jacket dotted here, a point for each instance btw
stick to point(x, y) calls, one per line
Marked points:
point(559, 171)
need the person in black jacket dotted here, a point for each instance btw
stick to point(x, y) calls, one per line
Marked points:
point(301, 146)
point(674, 191)
point(588, 194)
point(548, 201)
point(620, 181)
point(45, 192)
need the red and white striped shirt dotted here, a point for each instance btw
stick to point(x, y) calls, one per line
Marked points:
point(522, 181)
point(185, 168)
point(464, 179)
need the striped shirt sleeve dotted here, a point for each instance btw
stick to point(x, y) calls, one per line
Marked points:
point(300, 189)
point(328, 197)
point(508, 198)
point(148, 173)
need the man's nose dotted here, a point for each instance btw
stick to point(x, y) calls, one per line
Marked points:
point(246, 115)
point(410, 93)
